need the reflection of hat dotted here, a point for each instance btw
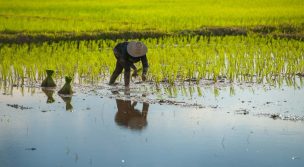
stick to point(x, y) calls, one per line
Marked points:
point(137, 49)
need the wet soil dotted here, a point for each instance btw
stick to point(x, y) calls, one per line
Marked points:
point(282, 31)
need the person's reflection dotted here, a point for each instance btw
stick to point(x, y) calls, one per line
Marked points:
point(130, 117)
point(68, 105)
point(49, 93)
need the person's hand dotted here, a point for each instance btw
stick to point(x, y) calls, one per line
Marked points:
point(134, 74)
point(144, 77)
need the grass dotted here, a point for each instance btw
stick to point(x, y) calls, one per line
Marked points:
point(238, 40)
point(172, 59)
point(146, 15)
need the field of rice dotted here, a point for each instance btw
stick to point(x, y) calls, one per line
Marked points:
point(224, 87)
point(175, 59)
point(147, 15)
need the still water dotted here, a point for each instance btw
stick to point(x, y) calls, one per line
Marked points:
point(40, 128)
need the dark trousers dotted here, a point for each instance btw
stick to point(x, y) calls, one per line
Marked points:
point(121, 64)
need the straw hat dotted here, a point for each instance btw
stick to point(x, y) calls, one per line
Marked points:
point(137, 49)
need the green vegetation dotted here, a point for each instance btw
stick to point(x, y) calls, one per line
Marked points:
point(81, 16)
point(251, 40)
point(48, 81)
point(172, 59)
point(67, 88)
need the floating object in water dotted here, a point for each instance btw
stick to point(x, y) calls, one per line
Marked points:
point(67, 88)
point(48, 81)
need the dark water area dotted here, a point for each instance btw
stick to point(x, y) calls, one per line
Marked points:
point(105, 126)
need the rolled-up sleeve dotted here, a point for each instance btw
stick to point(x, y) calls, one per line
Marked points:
point(145, 64)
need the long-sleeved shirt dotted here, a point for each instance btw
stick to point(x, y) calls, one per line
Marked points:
point(121, 48)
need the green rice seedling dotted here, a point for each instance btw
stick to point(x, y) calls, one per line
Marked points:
point(48, 81)
point(67, 88)
point(54, 19)
point(216, 91)
point(172, 59)
point(199, 91)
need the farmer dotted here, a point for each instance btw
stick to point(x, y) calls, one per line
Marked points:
point(128, 53)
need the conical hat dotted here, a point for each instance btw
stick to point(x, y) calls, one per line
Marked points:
point(137, 49)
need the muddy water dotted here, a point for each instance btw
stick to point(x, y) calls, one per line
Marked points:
point(213, 125)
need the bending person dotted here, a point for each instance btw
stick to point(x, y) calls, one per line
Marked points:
point(126, 54)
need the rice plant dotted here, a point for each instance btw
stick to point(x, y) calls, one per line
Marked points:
point(34, 16)
point(171, 59)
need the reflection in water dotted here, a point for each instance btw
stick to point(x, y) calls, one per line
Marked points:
point(130, 117)
point(49, 93)
point(68, 105)
point(67, 99)
point(194, 90)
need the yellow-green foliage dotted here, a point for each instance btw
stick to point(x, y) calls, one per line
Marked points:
point(145, 15)
point(171, 59)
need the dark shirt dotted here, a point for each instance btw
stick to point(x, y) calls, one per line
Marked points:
point(121, 48)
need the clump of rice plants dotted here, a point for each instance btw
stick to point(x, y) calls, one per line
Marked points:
point(48, 81)
point(171, 59)
point(67, 88)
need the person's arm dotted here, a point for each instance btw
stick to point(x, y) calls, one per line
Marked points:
point(135, 70)
point(133, 67)
point(145, 65)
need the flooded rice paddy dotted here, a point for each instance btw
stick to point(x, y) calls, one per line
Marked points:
point(207, 124)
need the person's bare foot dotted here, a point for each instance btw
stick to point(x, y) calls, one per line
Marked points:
point(143, 77)
point(112, 84)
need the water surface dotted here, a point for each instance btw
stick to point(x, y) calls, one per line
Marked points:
point(98, 128)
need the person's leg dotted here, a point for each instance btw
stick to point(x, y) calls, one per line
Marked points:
point(117, 71)
point(127, 72)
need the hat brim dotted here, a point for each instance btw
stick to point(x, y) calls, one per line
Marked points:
point(136, 51)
